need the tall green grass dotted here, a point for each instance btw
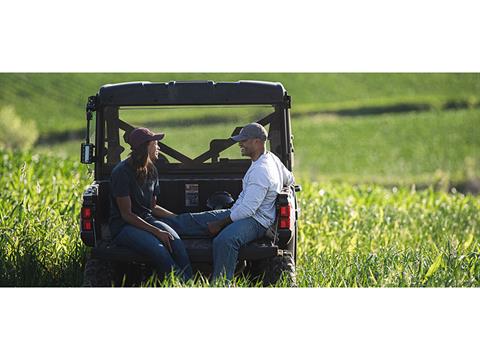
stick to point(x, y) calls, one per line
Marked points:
point(370, 236)
point(349, 235)
point(39, 212)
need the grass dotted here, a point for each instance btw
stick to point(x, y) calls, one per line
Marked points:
point(402, 148)
point(423, 148)
point(56, 102)
point(362, 222)
point(39, 211)
point(349, 235)
point(369, 236)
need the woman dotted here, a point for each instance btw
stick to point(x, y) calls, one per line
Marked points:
point(133, 224)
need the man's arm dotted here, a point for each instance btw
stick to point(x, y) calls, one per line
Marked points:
point(288, 178)
point(253, 197)
point(254, 194)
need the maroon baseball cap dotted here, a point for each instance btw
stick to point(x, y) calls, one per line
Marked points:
point(140, 135)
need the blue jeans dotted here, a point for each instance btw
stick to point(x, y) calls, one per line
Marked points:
point(228, 241)
point(146, 244)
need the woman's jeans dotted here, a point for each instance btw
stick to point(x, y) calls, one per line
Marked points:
point(228, 241)
point(150, 246)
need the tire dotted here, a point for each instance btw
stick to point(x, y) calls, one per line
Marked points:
point(98, 273)
point(278, 268)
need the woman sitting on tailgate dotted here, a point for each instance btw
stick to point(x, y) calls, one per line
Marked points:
point(133, 224)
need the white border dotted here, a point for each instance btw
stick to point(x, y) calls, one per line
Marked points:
point(239, 323)
point(252, 36)
point(259, 36)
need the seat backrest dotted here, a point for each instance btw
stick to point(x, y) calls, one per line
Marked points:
point(191, 195)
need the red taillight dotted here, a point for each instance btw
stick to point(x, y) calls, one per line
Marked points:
point(87, 221)
point(87, 225)
point(285, 223)
point(285, 211)
point(86, 213)
point(284, 217)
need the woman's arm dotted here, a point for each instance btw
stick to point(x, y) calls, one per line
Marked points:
point(125, 207)
point(159, 211)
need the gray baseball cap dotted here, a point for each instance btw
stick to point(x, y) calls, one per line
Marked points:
point(251, 131)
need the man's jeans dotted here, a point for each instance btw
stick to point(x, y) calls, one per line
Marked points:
point(148, 245)
point(228, 241)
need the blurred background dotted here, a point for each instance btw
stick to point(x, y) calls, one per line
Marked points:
point(390, 128)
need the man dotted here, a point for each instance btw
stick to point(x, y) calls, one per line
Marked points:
point(253, 212)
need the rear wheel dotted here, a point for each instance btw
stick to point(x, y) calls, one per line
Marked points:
point(98, 273)
point(278, 268)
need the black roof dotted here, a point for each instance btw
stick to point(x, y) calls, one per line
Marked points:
point(191, 93)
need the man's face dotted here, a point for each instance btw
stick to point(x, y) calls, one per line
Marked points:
point(153, 150)
point(247, 147)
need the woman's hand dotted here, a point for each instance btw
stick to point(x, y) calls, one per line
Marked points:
point(214, 227)
point(165, 237)
point(125, 206)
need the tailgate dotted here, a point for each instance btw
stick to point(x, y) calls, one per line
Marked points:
point(199, 250)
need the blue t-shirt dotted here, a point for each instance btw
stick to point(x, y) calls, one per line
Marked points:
point(124, 183)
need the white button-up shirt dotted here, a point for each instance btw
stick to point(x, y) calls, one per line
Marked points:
point(263, 181)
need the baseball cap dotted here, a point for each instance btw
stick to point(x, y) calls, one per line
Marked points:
point(251, 131)
point(141, 135)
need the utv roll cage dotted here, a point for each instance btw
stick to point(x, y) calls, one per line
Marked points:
point(111, 98)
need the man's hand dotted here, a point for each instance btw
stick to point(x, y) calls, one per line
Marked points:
point(165, 237)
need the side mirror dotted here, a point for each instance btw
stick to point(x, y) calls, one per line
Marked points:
point(86, 153)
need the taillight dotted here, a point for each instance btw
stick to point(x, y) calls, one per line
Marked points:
point(87, 221)
point(285, 211)
point(86, 213)
point(87, 225)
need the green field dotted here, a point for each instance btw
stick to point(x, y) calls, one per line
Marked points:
point(383, 160)
point(370, 236)
point(57, 101)
point(423, 148)
point(391, 149)
point(349, 235)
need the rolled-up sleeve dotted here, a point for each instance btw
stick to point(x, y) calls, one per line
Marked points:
point(255, 193)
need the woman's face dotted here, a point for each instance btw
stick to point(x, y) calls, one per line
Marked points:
point(153, 150)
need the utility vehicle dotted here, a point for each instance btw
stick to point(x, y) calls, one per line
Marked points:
point(193, 178)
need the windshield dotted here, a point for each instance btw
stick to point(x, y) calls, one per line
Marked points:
point(190, 130)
